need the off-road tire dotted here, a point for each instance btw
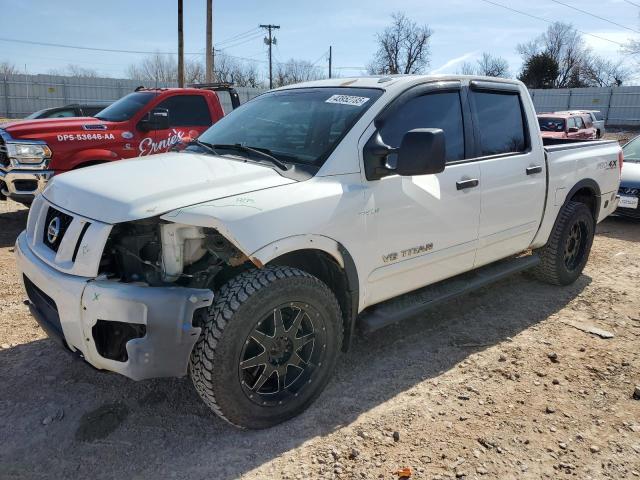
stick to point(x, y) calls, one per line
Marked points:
point(238, 306)
point(552, 268)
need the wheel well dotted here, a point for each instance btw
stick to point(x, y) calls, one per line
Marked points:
point(90, 163)
point(321, 265)
point(587, 196)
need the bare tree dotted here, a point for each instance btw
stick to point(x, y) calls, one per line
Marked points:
point(72, 70)
point(164, 68)
point(600, 72)
point(7, 68)
point(467, 68)
point(403, 47)
point(490, 66)
point(295, 71)
point(565, 46)
point(154, 68)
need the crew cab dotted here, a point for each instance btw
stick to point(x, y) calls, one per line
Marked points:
point(145, 122)
point(308, 215)
point(574, 126)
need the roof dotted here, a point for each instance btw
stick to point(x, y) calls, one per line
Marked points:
point(393, 81)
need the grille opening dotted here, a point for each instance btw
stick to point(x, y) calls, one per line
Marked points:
point(25, 185)
point(64, 222)
point(111, 338)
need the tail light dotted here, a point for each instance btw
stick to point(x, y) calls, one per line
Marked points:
point(620, 160)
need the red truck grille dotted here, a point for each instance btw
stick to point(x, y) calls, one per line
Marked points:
point(4, 157)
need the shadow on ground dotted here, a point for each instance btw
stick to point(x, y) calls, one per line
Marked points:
point(160, 428)
point(11, 224)
point(620, 228)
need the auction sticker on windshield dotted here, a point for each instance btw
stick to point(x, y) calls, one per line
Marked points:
point(628, 202)
point(347, 100)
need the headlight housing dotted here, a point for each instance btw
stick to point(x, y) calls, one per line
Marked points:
point(30, 153)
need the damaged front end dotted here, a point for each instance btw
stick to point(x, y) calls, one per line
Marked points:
point(161, 253)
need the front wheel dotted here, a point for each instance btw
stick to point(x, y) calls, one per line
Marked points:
point(268, 348)
point(566, 253)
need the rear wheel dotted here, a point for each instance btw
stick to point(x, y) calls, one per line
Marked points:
point(565, 255)
point(268, 348)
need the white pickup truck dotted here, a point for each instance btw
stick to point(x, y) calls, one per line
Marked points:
point(310, 213)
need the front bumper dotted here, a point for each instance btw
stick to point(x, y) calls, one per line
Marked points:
point(69, 307)
point(23, 185)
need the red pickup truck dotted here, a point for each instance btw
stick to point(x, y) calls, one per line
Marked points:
point(147, 121)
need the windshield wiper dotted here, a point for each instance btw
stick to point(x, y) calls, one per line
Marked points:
point(243, 148)
point(207, 146)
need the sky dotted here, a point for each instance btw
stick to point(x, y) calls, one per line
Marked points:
point(462, 30)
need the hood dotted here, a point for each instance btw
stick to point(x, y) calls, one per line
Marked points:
point(23, 129)
point(630, 176)
point(148, 186)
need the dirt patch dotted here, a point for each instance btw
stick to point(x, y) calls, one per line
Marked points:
point(101, 422)
point(492, 385)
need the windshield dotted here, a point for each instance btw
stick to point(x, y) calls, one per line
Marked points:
point(632, 151)
point(126, 107)
point(550, 124)
point(35, 115)
point(298, 125)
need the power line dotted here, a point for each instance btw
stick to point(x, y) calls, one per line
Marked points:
point(549, 21)
point(242, 42)
point(238, 36)
point(595, 16)
point(631, 3)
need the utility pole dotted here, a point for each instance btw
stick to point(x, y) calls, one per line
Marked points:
point(330, 58)
point(209, 41)
point(270, 41)
point(180, 47)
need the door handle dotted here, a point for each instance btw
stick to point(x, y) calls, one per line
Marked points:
point(462, 184)
point(532, 170)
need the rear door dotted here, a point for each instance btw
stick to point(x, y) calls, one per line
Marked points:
point(423, 228)
point(571, 124)
point(512, 171)
point(189, 116)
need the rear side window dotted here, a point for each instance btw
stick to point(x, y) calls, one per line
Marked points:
point(571, 123)
point(500, 123)
point(187, 111)
point(433, 110)
point(598, 116)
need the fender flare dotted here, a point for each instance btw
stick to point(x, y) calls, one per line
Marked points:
point(92, 155)
point(590, 184)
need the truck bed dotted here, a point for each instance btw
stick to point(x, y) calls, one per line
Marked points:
point(557, 144)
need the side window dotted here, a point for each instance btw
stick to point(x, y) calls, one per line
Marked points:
point(187, 111)
point(571, 123)
point(499, 120)
point(580, 123)
point(432, 110)
point(62, 114)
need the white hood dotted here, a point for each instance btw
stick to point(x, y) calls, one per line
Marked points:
point(145, 187)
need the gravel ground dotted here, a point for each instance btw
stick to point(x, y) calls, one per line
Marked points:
point(493, 385)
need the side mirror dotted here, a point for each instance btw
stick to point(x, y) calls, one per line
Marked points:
point(156, 119)
point(422, 152)
point(574, 129)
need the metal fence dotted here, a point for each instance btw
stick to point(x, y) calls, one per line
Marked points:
point(21, 95)
point(620, 106)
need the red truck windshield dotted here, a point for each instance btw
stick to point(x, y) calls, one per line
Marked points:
point(126, 107)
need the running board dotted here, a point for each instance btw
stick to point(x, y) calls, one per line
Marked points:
point(418, 301)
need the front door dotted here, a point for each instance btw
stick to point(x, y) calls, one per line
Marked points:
point(189, 116)
point(421, 229)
